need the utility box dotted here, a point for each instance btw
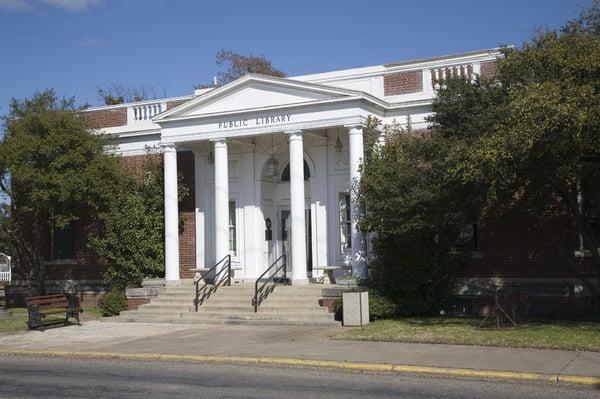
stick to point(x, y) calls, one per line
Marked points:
point(355, 307)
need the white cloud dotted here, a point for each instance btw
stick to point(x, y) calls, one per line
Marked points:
point(73, 5)
point(15, 5)
point(89, 42)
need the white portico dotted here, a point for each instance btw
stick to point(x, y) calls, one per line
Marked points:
point(267, 152)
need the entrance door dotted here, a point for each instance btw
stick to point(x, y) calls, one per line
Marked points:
point(286, 236)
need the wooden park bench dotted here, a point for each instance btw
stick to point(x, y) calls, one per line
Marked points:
point(38, 307)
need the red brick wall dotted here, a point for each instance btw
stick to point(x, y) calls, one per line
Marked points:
point(488, 69)
point(107, 117)
point(513, 246)
point(134, 164)
point(187, 209)
point(403, 83)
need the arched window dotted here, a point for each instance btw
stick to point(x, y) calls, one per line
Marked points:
point(285, 176)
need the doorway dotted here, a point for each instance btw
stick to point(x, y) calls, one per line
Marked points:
point(286, 236)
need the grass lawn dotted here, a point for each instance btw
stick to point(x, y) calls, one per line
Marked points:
point(550, 335)
point(18, 321)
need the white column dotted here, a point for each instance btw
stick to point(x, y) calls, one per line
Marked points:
point(221, 200)
point(171, 215)
point(359, 267)
point(298, 234)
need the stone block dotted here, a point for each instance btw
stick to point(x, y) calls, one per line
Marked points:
point(355, 308)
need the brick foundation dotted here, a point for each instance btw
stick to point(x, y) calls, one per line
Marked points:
point(135, 303)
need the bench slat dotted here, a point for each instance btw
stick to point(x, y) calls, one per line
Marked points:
point(50, 303)
point(34, 300)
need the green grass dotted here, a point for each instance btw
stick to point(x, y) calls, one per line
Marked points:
point(18, 321)
point(549, 335)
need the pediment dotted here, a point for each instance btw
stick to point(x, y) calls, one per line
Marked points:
point(255, 92)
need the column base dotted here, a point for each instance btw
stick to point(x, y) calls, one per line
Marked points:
point(301, 281)
point(173, 283)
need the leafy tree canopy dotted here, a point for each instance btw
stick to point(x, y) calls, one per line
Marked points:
point(55, 171)
point(531, 135)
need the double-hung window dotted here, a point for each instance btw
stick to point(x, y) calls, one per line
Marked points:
point(63, 243)
point(232, 229)
point(345, 222)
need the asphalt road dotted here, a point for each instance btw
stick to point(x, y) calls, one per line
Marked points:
point(73, 378)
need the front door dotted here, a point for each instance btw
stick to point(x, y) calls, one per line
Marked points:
point(286, 236)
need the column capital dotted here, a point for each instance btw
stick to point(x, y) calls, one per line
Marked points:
point(355, 128)
point(168, 147)
point(219, 142)
point(294, 135)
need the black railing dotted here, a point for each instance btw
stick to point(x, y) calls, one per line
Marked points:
point(205, 289)
point(264, 293)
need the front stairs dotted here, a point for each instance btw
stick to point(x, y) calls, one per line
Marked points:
point(286, 305)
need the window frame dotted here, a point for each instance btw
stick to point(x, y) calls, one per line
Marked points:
point(232, 215)
point(55, 238)
point(345, 222)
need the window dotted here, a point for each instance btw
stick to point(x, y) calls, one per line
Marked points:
point(285, 176)
point(63, 243)
point(345, 222)
point(590, 198)
point(468, 240)
point(232, 229)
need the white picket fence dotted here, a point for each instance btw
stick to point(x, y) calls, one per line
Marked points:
point(5, 268)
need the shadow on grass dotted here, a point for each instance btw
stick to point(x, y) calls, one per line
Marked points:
point(441, 321)
point(471, 321)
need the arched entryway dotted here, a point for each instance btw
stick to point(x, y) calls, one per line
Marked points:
point(275, 207)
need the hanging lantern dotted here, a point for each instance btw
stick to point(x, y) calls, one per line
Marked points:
point(339, 146)
point(272, 167)
point(210, 157)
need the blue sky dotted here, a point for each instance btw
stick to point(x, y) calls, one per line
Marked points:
point(76, 45)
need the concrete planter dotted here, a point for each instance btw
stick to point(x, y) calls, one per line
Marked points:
point(355, 308)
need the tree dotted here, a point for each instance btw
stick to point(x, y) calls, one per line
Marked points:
point(414, 213)
point(237, 65)
point(531, 135)
point(55, 171)
point(132, 240)
point(116, 93)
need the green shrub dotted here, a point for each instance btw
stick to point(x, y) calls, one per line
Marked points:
point(414, 213)
point(381, 307)
point(113, 302)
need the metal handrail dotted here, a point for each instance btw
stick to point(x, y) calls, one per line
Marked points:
point(272, 277)
point(215, 280)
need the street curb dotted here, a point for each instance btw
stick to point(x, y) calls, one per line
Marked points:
point(330, 364)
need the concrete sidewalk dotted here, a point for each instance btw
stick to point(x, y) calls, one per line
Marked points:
point(290, 342)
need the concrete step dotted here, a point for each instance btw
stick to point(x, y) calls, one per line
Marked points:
point(201, 315)
point(137, 319)
point(243, 308)
point(297, 305)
